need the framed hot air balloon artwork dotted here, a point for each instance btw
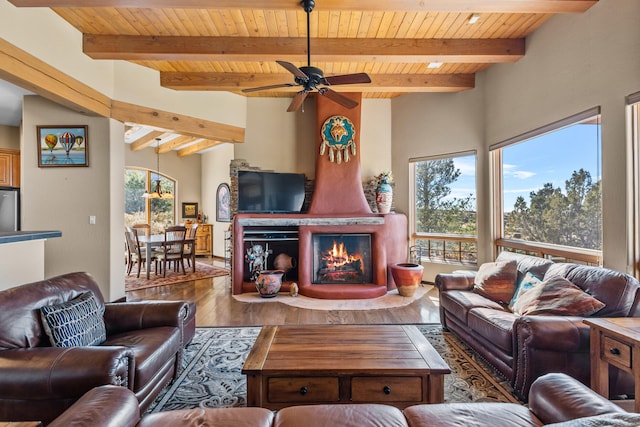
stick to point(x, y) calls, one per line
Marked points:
point(63, 146)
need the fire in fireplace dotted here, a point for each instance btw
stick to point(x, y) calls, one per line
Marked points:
point(342, 258)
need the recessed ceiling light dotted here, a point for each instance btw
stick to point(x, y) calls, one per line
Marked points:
point(474, 18)
point(434, 65)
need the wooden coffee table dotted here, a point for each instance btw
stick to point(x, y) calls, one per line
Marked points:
point(390, 364)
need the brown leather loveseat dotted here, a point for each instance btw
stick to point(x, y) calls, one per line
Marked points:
point(141, 351)
point(522, 348)
point(554, 398)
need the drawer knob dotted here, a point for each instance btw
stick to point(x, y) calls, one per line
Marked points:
point(614, 351)
point(304, 390)
point(386, 389)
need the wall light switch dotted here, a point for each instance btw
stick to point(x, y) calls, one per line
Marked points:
point(92, 219)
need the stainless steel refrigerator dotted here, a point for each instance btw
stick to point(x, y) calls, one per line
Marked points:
point(9, 209)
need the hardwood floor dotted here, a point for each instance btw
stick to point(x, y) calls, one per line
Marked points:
point(217, 307)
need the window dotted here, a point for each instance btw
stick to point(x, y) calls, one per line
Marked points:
point(160, 213)
point(633, 103)
point(550, 183)
point(443, 221)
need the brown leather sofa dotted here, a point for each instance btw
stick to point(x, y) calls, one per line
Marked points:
point(554, 398)
point(522, 348)
point(142, 351)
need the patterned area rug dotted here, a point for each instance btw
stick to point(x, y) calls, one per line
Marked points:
point(203, 271)
point(213, 362)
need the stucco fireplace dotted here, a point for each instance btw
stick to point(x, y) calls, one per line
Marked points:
point(338, 208)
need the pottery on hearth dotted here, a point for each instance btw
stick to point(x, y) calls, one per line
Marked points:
point(407, 277)
point(284, 262)
point(268, 283)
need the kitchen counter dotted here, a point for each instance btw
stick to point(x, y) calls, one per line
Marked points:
point(21, 236)
point(22, 256)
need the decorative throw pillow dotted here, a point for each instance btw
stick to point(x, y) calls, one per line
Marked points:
point(497, 280)
point(75, 323)
point(556, 296)
point(528, 281)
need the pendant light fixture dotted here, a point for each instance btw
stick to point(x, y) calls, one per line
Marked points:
point(157, 190)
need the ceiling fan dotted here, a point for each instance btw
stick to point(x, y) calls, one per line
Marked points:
point(311, 78)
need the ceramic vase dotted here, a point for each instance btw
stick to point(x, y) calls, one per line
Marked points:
point(269, 282)
point(384, 197)
point(407, 276)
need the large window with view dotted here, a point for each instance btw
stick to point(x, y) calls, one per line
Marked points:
point(551, 194)
point(633, 106)
point(159, 212)
point(443, 220)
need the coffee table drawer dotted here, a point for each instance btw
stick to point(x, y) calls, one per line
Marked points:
point(386, 389)
point(303, 389)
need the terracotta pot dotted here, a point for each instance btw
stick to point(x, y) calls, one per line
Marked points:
point(269, 282)
point(407, 277)
point(284, 262)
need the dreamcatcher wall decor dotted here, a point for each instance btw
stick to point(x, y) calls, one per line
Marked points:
point(338, 139)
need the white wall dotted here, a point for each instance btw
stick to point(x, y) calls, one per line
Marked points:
point(215, 170)
point(572, 63)
point(10, 137)
point(286, 142)
point(63, 198)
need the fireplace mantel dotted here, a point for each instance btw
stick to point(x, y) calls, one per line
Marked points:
point(297, 221)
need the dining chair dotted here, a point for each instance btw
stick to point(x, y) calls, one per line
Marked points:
point(189, 252)
point(172, 248)
point(136, 253)
point(146, 228)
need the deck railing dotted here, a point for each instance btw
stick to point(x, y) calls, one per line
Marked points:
point(464, 250)
point(444, 248)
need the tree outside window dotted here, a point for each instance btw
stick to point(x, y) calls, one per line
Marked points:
point(552, 189)
point(444, 219)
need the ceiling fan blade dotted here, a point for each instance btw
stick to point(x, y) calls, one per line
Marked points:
point(338, 98)
point(255, 89)
point(297, 101)
point(348, 79)
point(293, 69)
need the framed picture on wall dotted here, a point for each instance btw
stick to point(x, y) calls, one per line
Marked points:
point(63, 146)
point(189, 210)
point(223, 209)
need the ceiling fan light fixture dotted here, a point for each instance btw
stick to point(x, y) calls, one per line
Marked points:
point(474, 18)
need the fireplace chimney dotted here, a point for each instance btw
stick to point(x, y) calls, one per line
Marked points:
point(338, 186)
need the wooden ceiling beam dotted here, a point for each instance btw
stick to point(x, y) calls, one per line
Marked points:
point(197, 147)
point(176, 142)
point(460, 6)
point(177, 123)
point(146, 140)
point(28, 72)
point(255, 49)
point(379, 82)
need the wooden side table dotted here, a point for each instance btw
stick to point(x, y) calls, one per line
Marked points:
point(616, 342)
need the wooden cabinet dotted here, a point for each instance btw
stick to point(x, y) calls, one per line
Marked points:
point(9, 168)
point(204, 240)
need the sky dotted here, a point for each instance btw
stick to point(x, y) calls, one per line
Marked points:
point(550, 158)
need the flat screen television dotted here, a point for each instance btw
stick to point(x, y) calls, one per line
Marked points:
point(270, 192)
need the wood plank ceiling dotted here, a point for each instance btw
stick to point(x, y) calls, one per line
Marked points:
point(230, 45)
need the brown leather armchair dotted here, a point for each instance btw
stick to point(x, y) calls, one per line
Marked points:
point(142, 351)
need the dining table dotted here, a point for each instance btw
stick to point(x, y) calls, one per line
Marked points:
point(157, 240)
